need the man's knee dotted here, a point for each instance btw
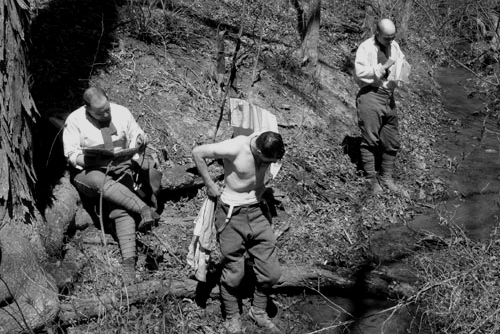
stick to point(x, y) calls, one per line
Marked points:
point(89, 181)
point(233, 273)
point(272, 277)
point(390, 142)
point(118, 213)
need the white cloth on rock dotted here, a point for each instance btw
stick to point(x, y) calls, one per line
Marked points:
point(247, 118)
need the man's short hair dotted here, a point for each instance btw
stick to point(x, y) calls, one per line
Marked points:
point(271, 145)
point(92, 95)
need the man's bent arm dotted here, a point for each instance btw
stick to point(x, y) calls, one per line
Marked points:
point(200, 153)
point(364, 69)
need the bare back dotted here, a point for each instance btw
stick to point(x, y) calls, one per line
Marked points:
point(243, 172)
point(244, 168)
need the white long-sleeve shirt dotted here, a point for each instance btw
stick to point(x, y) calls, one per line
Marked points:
point(80, 133)
point(367, 70)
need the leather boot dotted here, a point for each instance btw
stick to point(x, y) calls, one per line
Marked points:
point(374, 185)
point(233, 325)
point(368, 160)
point(149, 217)
point(387, 169)
point(262, 320)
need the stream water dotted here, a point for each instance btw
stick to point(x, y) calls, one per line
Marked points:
point(473, 179)
point(473, 171)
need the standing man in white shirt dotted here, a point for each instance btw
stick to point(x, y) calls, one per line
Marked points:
point(375, 67)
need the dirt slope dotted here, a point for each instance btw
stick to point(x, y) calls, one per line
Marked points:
point(167, 79)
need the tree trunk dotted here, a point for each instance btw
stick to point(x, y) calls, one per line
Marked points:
point(308, 29)
point(28, 295)
point(404, 19)
point(301, 21)
point(310, 42)
point(17, 115)
point(397, 10)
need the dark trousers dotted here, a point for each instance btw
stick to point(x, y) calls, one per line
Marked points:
point(248, 230)
point(378, 120)
point(117, 190)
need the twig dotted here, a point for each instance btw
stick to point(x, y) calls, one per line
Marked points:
point(98, 46)
point(18, 307)
point(168, 248)
point(52, 145)
point(101, 220)
point(448, 52)
point(322, 295)
point(345, 323)
point(485, 321)
point(256, 59)
point(187, 85)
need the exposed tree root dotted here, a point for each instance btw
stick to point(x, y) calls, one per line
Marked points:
point(28, 293)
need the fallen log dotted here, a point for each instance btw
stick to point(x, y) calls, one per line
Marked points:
point(381, 282)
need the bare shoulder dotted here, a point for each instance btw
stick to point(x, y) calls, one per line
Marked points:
point(227, 149)
point(240, 140)
point(234, 145)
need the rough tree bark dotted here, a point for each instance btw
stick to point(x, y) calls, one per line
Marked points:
point(28, 295)
point(404, 19)
point(308, 28)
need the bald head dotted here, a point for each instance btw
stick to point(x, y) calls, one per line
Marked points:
point(386, 27)
point(97, 103)
point(94, 96)
point(386, 32)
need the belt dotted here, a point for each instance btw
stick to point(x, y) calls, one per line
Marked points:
point(376, 89)
point(253, 205)
point(230, 209)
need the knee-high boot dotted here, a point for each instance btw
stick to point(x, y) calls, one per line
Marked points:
point(368, 160)
point(125, 232)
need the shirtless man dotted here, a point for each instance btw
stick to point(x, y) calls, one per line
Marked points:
point(243, 220)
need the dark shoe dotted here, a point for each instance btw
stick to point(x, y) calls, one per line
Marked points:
point(128, 271)
point(233, 325)
point(262, 320)
point(148, 218)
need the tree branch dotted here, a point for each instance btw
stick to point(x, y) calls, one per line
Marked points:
point(431, 18)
